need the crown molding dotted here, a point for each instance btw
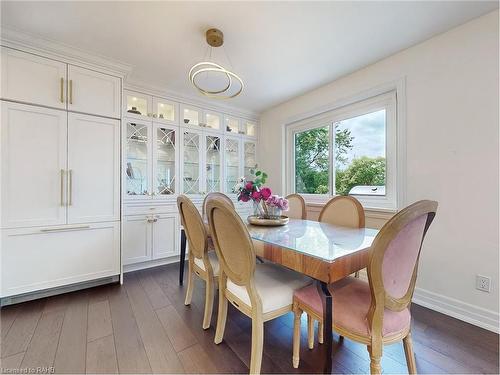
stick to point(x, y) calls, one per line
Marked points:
point(134, 85)
point(59, 51)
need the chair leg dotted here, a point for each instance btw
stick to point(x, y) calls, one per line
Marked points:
point(310, 331)
point(257, 344)
point(410, 356)
point(320, 332)
point(296, 337)
point(375, 356)
point(209, 302)
point(221, 317)
point(189, 291)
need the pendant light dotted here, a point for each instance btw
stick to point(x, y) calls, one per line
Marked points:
point(232, 84)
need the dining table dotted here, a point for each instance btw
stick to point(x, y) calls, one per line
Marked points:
point(322, 251)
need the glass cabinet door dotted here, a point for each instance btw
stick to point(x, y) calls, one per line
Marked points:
point(212, 120)
point(164, 110)
point(249, 158)
point(191, 116)
point(164, 163)
point(191, 160)
point(212, 161)
point(136, 159)
point(232, 161)
point(137, 105)
point(249, 128)
point(232, 125)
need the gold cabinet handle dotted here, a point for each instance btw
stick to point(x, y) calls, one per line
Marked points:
point(70, 187)
point(61, 96)
point(62, 187)
point(70, 91)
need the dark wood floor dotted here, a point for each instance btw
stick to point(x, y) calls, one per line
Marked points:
point(144, 327)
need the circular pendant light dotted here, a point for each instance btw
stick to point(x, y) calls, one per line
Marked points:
point(232, 84)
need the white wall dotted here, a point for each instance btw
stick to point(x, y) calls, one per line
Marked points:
point(452, 104)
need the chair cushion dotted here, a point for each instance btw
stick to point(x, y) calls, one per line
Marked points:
point(214, 261)
point(351, 302)
point(275, 286)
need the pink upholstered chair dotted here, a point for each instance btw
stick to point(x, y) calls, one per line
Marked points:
point(376, 312)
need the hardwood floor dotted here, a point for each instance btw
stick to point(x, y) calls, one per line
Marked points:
point(144, 327)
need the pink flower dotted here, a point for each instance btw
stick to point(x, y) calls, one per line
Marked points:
point(244, 198)
point(256, 196)
point(249, 185)
point(266, 192)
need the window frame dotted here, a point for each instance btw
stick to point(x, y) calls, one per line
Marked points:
point(394, 145)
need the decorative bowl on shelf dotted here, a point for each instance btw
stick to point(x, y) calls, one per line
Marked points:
point(268, 222)
point(134, 110)
point(186, 121)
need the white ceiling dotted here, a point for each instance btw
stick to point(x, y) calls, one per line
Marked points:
point(280, 49)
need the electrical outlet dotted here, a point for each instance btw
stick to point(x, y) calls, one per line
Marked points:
point(483, 283)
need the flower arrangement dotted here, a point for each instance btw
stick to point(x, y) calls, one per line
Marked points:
point(266, 204)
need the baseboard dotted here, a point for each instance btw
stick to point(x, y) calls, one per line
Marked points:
point(466, 312)
point(150, 264)
point(477, 316)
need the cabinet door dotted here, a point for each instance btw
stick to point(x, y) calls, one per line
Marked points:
point(249, 158)
point(137, 159)
point(232, 124)
point(191, 115)
point(33, 79)
point(93, 169)
point(164, 160)
point(136, 244)
point(34, 259)
point(165, 236)
point(212, 120)
point(33, 165)
point(165, 111)
point(137, 105)
point(212, 162)
point(93, 92)
point(232, 163)
point(191, 166)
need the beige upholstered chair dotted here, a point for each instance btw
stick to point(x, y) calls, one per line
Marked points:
point(211, 196)
point(202, 262)
point(343, 210)
point(376, 312)
point(260, 291)
point(296, 207)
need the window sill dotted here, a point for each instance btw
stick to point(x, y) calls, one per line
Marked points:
point(317, 205)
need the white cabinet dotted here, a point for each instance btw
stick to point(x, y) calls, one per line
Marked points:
point(33, 79)
point(33, 179)
point(93, 168)
point(232, 162)
point(249, 157)
point(149, 237)
point(136, 239)
point(40, 258)
point(93, 92)
point(164, 235)
point(143, 106)
point(37, 80)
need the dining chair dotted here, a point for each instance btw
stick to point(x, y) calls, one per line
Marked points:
point(202, 262)
point(211, 196)
point(376, 313)
point(341, 210)
point(296, 207)
point(260, 291)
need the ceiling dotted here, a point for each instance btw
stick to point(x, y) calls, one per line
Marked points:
point(280, 49)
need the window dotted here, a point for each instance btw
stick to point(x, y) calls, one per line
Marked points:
point(347, 151)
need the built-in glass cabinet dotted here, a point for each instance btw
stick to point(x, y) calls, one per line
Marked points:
point(137, 149)
point(171, 148)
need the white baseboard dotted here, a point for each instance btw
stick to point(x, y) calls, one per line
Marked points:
point(150, 264)
point(475, 315)
point(466, 312)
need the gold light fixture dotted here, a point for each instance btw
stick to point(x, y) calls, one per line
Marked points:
point(233, 84)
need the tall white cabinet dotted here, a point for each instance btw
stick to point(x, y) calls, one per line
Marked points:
point(60, 174)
